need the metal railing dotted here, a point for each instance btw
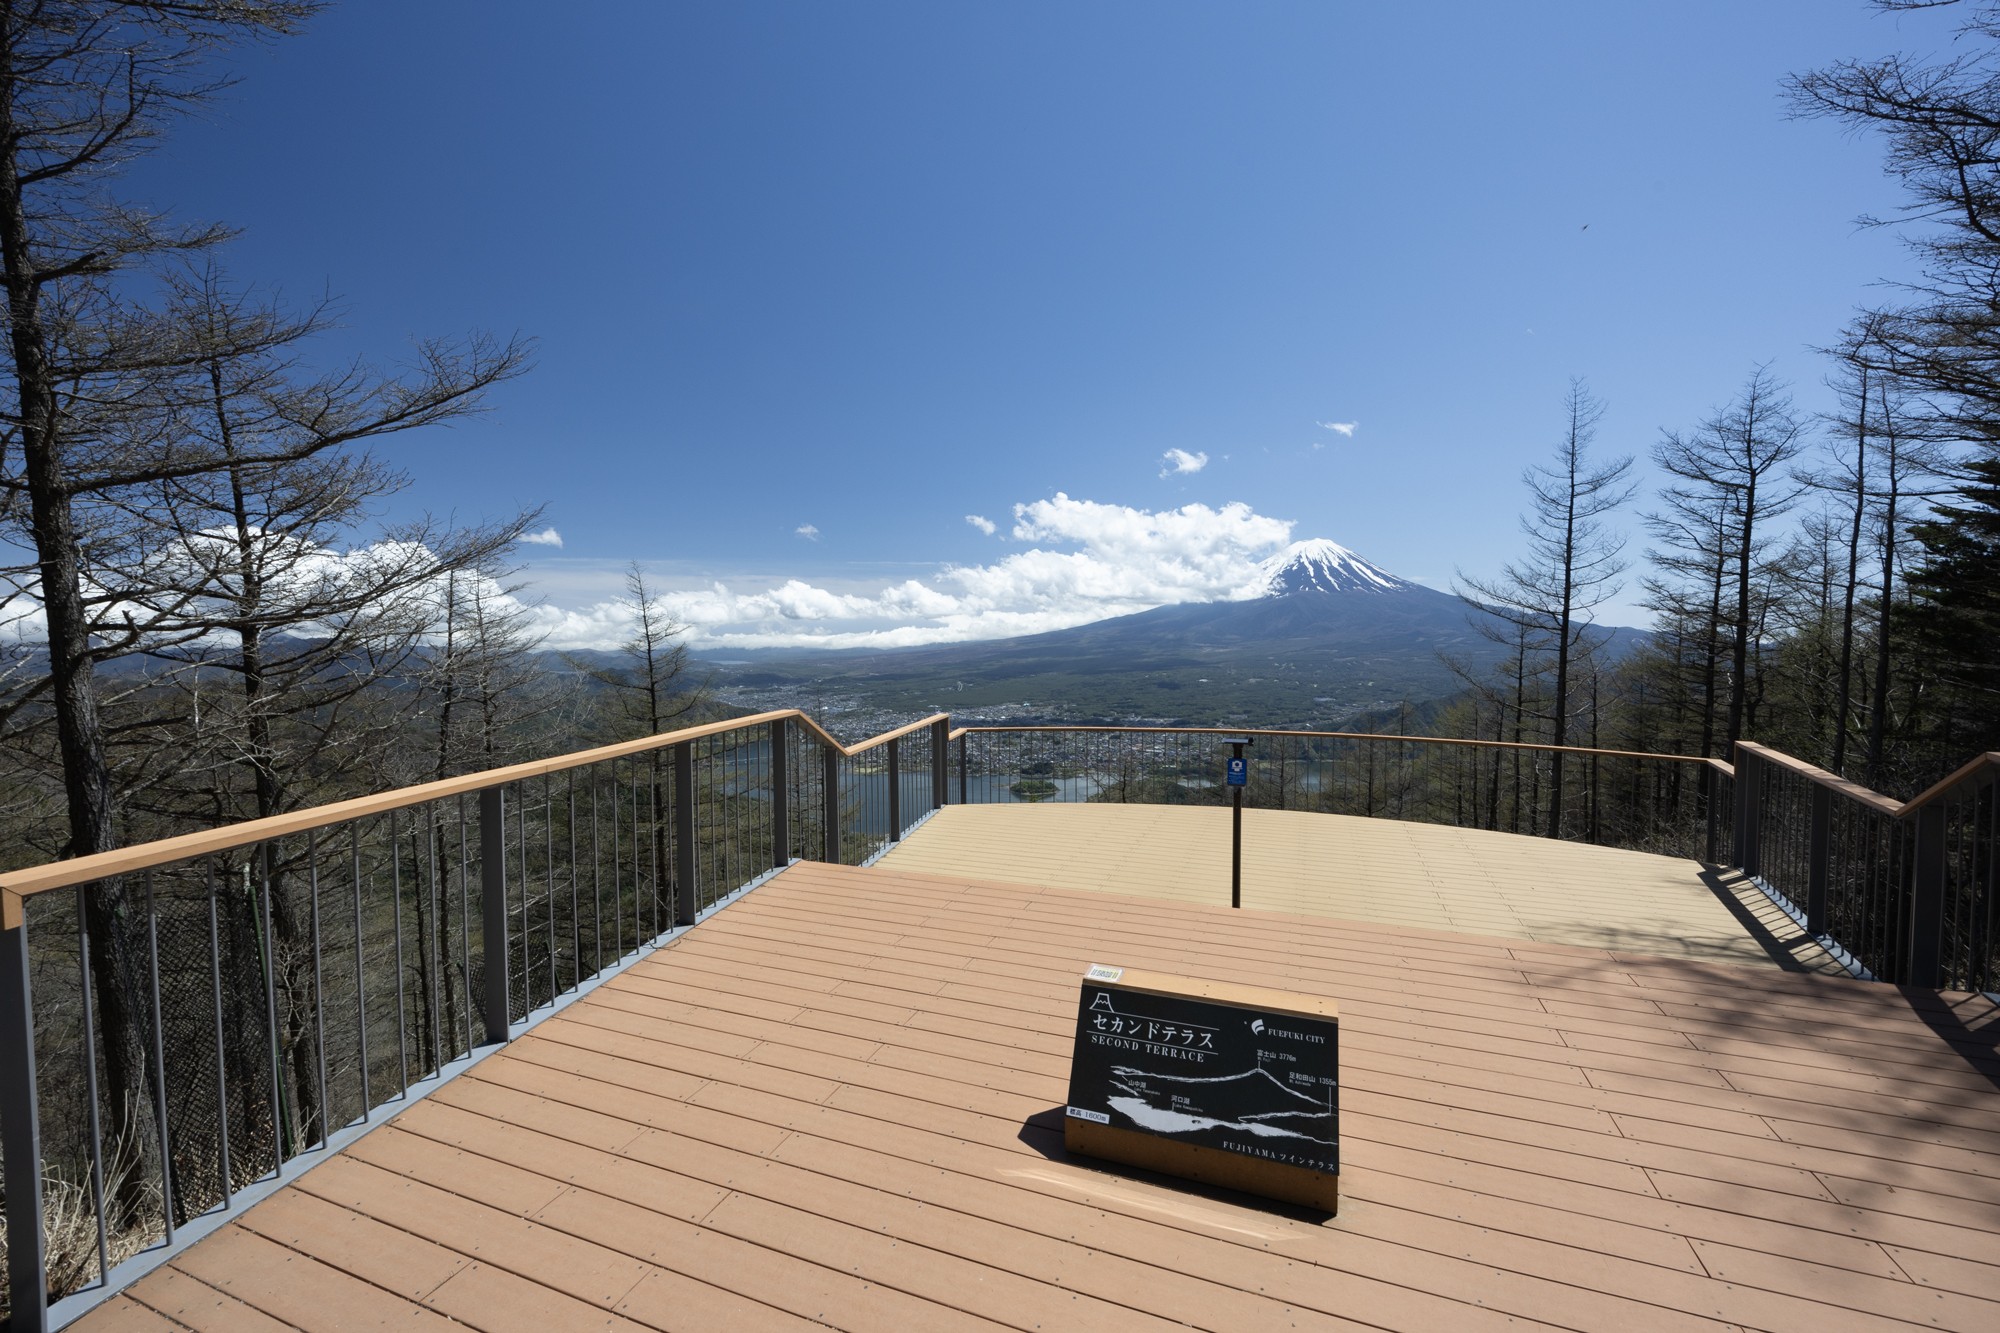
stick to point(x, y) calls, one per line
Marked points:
point(1907, 888)
point(1670, 804)
point(186, 1024)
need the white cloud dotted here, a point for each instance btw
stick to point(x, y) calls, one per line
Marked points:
point(984, 524)
point(1342, 428)
point(1083, 561)
point(1174, 462)
point(806, 530)
point(546, 537)
point(1074, 561)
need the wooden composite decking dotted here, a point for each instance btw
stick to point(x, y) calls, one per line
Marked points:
point(1380, 870)
point(836, 1103)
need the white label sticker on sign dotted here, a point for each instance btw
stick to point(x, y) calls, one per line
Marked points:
point(1097, 1116)
point(1099, 972)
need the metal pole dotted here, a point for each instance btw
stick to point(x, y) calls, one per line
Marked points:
point(1713, 809)
point(781, 813)
point(1236, 825)
point(493, 908)
point(895, 794)
point(1926, 901)
point(1749, 810)
point(964, 739)
point(1236, 842)
point(685, 905)
point(1817, 859)
point(831, 792)
point(21, 1139)
point(940, 758)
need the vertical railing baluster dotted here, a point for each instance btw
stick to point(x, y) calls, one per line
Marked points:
point(1749, 812)
point(895, 830)
point(549, 853)
point(521, 841)
point(464, 924)
point(1818, 848)
point(221, 1057)
point(438, 951)
point(493, 909)
point(617, 874)
point(318, 979)
point(159, 1059)
point(830, 799)
point(93, 1101)
point(685, 908)
point(360, 970)
point(21, 1135)
point(575, 903)
point(267, 945)
point(653, 865)
point(1927, 873)
point(639, 936)
point(781, 810)
point(402, 969)
point(596, 879)
point(940, 760)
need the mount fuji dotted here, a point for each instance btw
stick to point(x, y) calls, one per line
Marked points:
point(1322, 637)
point(1320, 565)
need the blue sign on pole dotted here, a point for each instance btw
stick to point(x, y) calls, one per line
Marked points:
point(1239, 772)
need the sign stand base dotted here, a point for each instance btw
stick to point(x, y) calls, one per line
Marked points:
point(1209, 1166)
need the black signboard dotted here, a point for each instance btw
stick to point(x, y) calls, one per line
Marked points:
point(1258, 1080)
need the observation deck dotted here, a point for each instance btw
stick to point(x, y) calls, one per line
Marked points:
point(838, 1103)
point(1584, 1086)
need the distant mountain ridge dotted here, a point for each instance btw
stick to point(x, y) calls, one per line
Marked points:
point(1329, 635)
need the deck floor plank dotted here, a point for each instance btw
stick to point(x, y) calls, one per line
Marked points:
point(838, 1103)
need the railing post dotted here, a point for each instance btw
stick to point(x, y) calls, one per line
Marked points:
point(1927, 899)
point(964, 740)
point(686, 904)
point(1818, 858)
point(895, 793)
point(831, 786)
point(1749, 811)
point(781, 811)
point(940, 748)
point(493, 908)
point(1712, 807)
point(21, 1139)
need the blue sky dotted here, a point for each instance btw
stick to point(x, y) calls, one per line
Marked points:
point(866, 269)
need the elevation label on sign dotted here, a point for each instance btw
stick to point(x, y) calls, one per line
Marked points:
point(1232, 1085)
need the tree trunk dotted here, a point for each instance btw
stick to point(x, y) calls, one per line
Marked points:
point(108, 912)
point(1844, 699)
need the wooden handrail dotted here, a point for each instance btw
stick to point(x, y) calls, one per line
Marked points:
point(1720, 765)
point(1875, 800)
point(1853, 791)
point(1968, 771)
point(18, 886)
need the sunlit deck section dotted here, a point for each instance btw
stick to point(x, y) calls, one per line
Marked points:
point(1423, 876)
point(837, 1103)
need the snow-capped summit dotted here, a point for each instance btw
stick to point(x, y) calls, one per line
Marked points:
point(1319, 565)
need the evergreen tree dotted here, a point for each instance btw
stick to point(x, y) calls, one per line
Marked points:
point(1955, 617)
